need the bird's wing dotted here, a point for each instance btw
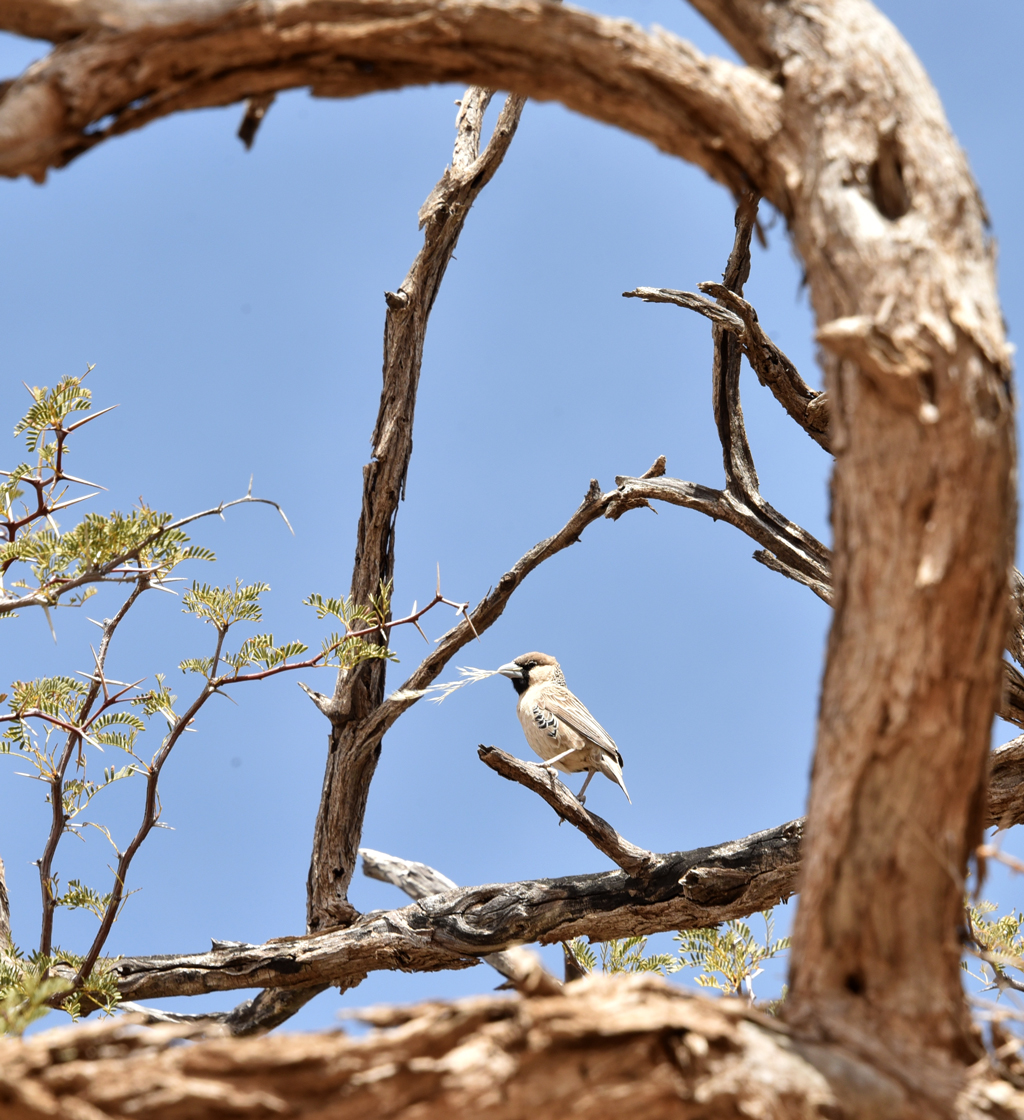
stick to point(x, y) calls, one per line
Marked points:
point(566, 707)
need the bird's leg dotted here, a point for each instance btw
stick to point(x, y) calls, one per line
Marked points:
point(581, 796)
point(553, 777)
point(550, 762)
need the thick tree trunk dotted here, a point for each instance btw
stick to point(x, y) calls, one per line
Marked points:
point(888, 220)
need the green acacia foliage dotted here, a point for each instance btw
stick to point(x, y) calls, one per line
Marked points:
point(726, 958)
point(56, 723)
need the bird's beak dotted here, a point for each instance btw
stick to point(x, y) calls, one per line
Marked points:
point(512, 671)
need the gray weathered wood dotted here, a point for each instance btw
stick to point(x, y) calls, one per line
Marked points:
point(455, 929)
point(355, 738)
point(522, 969)
point(542, 781)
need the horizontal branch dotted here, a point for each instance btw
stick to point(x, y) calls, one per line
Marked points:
point(452, 930)
point(142, 61)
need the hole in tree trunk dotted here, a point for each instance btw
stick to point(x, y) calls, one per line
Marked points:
point(888, 189)
point(855, 983)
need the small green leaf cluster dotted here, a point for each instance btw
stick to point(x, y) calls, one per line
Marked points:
point(360, 621)
point(126, 546)
point(222, 607)
point(59, 697)
point(78, 896)
point(62, 699)
point(1000, 940)
point(158, 699)
point(728, 957)
point(624, 954)
point(50, 408)
point(139, 545)
point(28, 986)
point(56, 722)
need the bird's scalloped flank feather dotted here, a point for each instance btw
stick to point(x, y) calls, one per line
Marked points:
point(565, 706)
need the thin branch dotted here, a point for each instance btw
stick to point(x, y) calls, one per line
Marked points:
point(256, 108)
point(150, 817)
point(5, 912)
point(48, 595)
point(808, 407)
point(740, 474)
point(805, 558)
point(58, 818)
point(417, 880)
point(633, 860)
point(790, 549)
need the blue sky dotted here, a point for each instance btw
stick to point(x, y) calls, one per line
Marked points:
point(232, 303)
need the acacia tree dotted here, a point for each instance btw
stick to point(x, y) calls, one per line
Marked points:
point(834, 122)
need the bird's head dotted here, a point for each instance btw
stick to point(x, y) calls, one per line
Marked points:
point(531, 668)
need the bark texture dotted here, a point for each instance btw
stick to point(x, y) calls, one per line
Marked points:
point(454, 929)
point(608, 1047)
point(923, 517)
point(352, 752)
point(123, 64)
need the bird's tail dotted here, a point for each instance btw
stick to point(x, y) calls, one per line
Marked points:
point(611, 768)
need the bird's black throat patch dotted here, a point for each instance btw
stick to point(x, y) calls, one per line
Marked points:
point(521, 684)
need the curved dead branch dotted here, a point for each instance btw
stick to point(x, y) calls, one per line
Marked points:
point(522, 969)
point(125, 64)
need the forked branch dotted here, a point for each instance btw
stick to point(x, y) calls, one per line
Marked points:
point(359, 693)
point(522, 969)
point(787, 548)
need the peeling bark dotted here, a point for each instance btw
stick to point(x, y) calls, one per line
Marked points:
point(608, 1047)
